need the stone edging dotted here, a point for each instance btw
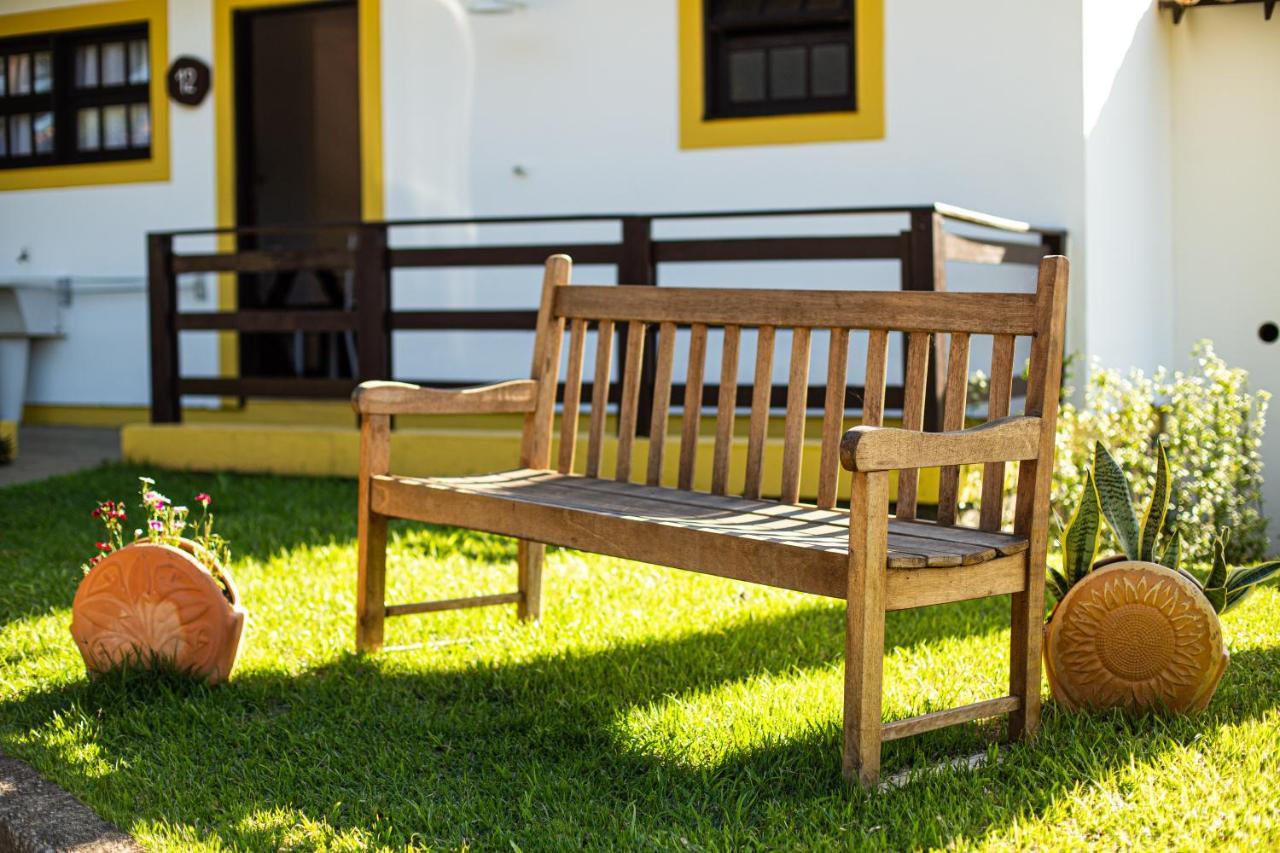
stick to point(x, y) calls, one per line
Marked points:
point(36, 816)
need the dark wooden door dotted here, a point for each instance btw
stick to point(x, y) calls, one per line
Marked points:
point(297, 162)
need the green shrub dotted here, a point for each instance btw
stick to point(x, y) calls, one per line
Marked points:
point(1211, 425)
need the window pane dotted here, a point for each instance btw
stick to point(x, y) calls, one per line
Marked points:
point(786, 72)
point(746, 76)
point(20, 135)
point(829, 74)
point(44, 133)
point(113, 63)
point(87, 66)
point(87, 129)
point(140, 125)
point(139, 62)
point(4, 66)
point(20, 74)
point(115, 127)
point(43, 81)
point(4, 139)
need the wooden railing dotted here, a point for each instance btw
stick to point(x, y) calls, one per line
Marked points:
point(921, 250)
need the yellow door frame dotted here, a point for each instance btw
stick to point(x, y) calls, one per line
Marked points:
point(369, 27)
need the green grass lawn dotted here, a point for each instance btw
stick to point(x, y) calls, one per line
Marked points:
point(650, 708)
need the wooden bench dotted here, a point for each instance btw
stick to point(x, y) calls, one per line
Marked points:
point(875, 562)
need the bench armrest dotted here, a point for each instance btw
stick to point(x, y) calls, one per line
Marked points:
point(867, 448)
point(401, 398)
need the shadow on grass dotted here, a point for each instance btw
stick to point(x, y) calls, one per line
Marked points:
point(534, 752)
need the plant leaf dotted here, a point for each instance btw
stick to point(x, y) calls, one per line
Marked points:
point(1195, 580)
point(1116, 500)
point(1218, 598)
point(1157, 507)
point(1172, 556)
point(1235, 597)
point(1058, 584)
point(1080, 542)
point(1244, 578)
point(1218, 575)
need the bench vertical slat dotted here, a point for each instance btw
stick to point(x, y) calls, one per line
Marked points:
point(915, 380)
point(725, 410)
point(630, 399)
point(953, 406)
point(1000, 392)
point(873, 387)
point(535, 448)
point(661, 401)
point(599, 396)
point(692, 404)
point(797, 397)
point(761, 388)
point(833, 418)
point(572, 396)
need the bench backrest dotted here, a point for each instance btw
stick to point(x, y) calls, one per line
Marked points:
point(582, 310)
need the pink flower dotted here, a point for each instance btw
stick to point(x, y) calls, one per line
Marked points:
point(102, 546)
point(155, 525)
point(203, 499)
point(155, 498)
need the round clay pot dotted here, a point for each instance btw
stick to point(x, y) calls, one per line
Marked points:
point(1134, 635)
point(147, 602)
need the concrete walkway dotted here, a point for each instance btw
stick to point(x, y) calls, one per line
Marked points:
point(46, 451)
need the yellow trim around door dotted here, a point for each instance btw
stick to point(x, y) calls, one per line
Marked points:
point(867, 122)
point(156, 168)
point(369, 16)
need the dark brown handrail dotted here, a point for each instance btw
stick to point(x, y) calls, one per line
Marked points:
point(921, 250)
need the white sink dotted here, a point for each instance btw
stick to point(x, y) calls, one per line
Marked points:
point(27, 312)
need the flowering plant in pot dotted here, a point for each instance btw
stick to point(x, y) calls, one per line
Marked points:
point(1136, 629)
point(161, 598)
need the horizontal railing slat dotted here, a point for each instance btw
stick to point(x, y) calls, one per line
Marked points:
point(908, 311)
point(258, 320)
point(853, 248)
point(500, 256)
point(265, 260)
point(451, 320)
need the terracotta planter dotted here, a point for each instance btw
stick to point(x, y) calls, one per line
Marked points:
point(149, 601)
point(1134, 635)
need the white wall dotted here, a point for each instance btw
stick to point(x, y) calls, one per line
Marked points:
point(1226, 184)
point(1126, 251)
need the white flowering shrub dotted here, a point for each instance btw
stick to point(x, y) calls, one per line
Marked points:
point(1211, 425)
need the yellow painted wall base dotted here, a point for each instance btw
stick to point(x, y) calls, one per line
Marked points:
point(334, 451)
point(9, 430)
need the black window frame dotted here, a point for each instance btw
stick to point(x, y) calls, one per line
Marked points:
point(764, 28)
point(65, 100)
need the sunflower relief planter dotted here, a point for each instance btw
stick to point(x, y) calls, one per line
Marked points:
point(148, 602)
point(1136, 635)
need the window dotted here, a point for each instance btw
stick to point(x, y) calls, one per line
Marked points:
point(779, 57)
point(75, 96)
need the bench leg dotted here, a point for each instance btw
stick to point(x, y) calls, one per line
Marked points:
point(529, 557)
point(864, 634)
point(375, 457)
point(1024, 659)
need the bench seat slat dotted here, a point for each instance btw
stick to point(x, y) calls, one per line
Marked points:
point(802, 527)
point(802, 552)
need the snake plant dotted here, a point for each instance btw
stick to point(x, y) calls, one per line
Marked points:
point(1107, 496)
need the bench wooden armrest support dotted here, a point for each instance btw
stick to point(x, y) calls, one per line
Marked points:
point(401, 398)
point(869, 448)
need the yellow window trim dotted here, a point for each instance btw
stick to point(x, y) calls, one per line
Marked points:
point(867, 122)
point(369, 25)
point(155, 14)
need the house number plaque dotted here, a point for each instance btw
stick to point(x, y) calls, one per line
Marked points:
point(188, 81)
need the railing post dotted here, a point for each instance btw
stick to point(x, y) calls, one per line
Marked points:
point(925, 268)
point(162, 299)
point(636, 267)
point(372, 300)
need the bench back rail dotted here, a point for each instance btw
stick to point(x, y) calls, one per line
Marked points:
point(629, 314)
